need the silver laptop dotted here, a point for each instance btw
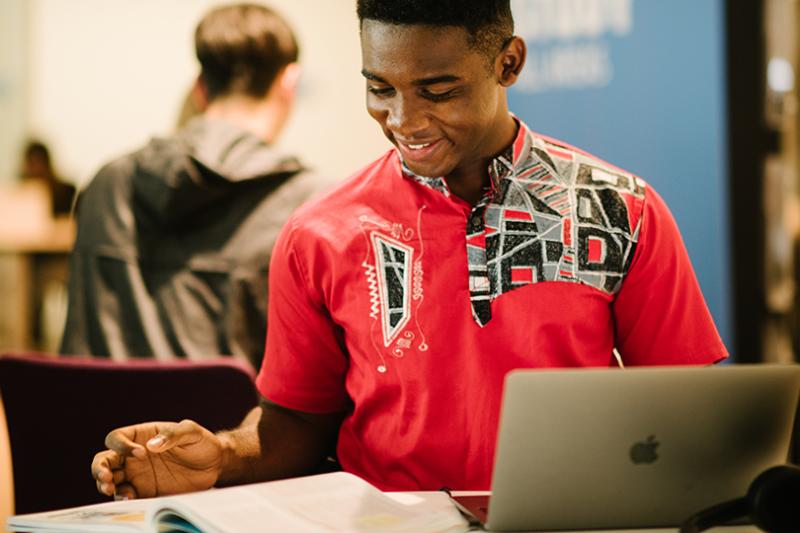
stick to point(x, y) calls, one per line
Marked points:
point(644, 447)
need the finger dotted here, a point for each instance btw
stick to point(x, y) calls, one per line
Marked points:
point(172, 435)
point(118, 476)
point(105, 488)
point(125, 491)
point(103, 463)
point(119, 441)
point(110, 477)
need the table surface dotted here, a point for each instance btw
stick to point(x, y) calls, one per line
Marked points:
point(57, 236)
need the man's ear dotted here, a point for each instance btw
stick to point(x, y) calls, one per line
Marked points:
point(510, 61)
point(288, 78)
point(200, 94)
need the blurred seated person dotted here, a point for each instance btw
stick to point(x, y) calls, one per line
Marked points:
point(174, 240)
point(37, 165)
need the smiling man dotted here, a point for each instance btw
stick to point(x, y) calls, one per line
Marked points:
point(399, 301)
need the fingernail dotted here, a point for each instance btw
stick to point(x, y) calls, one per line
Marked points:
point(156, 441)
point(139, 452)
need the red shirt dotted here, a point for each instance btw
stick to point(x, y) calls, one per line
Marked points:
point(402, 304)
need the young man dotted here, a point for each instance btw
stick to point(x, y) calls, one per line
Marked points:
point(174, 239)
point(400, 300)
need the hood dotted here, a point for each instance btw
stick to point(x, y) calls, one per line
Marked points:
point(203, 165)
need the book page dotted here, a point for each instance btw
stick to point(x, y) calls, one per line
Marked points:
point(328, 502)
point(123, 517)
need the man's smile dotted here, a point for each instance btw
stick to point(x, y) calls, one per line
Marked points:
point(419, 151)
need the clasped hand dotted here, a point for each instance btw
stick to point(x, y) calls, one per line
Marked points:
point(157, 459)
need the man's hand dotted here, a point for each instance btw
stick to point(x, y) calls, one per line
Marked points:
point(158, 458)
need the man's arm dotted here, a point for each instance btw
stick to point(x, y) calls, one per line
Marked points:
point(160, 458)
point(281, 443)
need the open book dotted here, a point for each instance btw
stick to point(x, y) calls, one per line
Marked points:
point(327, 502)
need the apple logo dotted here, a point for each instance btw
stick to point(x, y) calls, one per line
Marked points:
point(644, 452)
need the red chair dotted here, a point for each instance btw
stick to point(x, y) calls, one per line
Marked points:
point(59, 410)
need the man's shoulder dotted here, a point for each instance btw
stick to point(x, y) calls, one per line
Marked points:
point(582, 168)
point(355, 191)
point(113, 176)
point(111, 188)
point(124, 167)
point(332, 215)
point(604, 195)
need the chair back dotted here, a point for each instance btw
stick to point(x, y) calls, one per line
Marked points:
point(59, 410)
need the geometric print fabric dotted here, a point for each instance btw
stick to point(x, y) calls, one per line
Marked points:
point(552, 213)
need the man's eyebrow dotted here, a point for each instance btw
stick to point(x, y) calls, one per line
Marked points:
point(445, 78)
point(374, 77)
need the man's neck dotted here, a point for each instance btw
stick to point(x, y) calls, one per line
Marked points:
point(261, 117)
point(470, 182)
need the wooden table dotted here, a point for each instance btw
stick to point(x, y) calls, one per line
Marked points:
point(31, 260)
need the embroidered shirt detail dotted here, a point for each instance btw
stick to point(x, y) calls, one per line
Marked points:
point(552, 213)
point(394, 269)
point(394, 278)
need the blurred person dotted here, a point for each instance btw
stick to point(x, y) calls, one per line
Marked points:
point(174, 240)
point(400, 300)
point(37, 165)
point(47, 197)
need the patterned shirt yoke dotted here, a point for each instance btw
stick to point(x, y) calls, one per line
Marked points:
point(551, 213)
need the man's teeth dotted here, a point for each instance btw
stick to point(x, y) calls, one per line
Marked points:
point(418, 146)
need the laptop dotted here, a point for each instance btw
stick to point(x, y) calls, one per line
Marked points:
point(633, 448)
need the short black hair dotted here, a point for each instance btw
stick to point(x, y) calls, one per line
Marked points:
point(489, 23)
point(242, 48)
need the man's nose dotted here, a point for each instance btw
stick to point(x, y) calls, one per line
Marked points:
point(405, 118)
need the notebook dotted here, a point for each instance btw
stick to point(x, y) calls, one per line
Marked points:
point(633, 448)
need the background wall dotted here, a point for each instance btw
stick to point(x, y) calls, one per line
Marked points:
point(105, 75)
point(13, 84)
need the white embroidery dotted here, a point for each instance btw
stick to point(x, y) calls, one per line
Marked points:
point(393, 281)
point(417, 293)
point(372, 283)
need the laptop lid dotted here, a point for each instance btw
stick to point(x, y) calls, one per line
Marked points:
point(642, 447)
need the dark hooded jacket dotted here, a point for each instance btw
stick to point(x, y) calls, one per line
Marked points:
point(174, 244)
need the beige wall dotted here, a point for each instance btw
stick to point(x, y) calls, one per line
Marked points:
point(105, 75)
point(13, 84)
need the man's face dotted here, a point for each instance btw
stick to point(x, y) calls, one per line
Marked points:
point(436, 98)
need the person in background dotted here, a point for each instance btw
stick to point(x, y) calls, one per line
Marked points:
point(37, 165)
point(174, 240)
point(400, 300)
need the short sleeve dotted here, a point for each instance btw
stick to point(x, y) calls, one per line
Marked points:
point(661, 317)
point(304, 364)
